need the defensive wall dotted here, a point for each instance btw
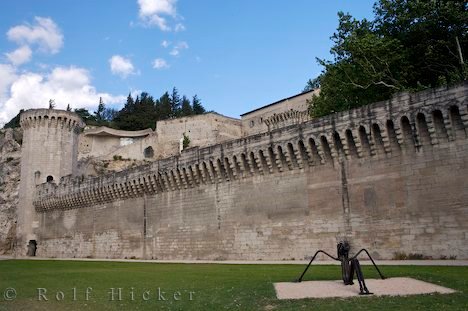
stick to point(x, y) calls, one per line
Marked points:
point(390, 177)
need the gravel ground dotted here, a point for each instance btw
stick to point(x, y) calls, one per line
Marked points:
point(400, 286)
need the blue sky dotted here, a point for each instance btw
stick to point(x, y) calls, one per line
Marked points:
point(235, 55)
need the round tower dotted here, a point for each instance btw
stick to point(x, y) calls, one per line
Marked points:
point(49, 152)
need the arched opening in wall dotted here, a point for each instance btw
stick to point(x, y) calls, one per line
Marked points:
point(338, 144)
point(49, 178)
point(316, 159)
point(351, 143)
point(32, 248)
point(392, 137)
point(148, 152)
point(292, 155)
point(237, 168)
point(272, 157)
point(326, 148)
point(198, 173)
point(439, 125)
point(423, 130)
point(281, 157)
point(457, 122)
point(185, 177)
point(253, 162)
point(227, 165)
point(222, 172)
point(364, 140)
point(204, 173)
point(378, 141)
point(407, 133)
point(212, 171)
point(263, 161)
point(245, 163)
point(37, 177)
point(303, 152)
point(189, 172)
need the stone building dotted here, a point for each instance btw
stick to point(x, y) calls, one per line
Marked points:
point(390, 176)
point(164, 141)
point(288, 111)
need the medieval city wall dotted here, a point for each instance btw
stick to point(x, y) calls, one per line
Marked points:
point(390, 177)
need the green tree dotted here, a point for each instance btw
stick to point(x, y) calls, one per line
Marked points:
point(197, 106)
point(15, 121)
point(164, 107)
point(186, 107)
point(87, 118)
point(410, 45)
point(99, 113)
point(137, 114)
point(175, 103)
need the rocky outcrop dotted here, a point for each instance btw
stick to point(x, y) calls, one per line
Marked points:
point(10, 167)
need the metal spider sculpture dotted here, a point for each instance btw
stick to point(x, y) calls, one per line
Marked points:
point(349, 266)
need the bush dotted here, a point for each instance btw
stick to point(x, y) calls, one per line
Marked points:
point(399, 256)
point(186, 141)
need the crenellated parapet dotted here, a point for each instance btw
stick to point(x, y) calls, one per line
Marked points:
point(285, 118)
point(403, 126)
point(51, 118)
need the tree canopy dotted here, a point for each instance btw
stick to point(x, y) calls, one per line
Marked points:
point(409, 45)
point(144, 111)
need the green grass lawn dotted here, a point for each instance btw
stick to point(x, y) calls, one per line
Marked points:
point(213, 287)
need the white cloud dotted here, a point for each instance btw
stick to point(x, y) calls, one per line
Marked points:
point(20, 56)
point(8, 75)
point(66, 85)
point(44, 33)
point(165, 43)
point(160, 63)
point(179, 27)
point(182, 45)
point(155, 12)
point(121, 66)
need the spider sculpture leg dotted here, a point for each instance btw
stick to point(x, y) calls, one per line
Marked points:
point(362, 283)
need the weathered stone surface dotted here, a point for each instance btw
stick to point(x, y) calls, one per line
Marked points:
point(390, 177)
point(9, 186)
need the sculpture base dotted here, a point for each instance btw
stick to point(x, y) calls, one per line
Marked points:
point(400, 286)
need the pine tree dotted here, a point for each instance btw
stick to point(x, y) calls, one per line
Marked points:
point(197, 106)
point(165, 106)
point(175, 103)
point(186, 109)
point(98, 114)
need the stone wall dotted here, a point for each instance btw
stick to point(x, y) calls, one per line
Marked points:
point(104, 141)
point(390, 177)
point(203, 130)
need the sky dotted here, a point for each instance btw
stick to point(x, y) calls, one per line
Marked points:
point(236, 55)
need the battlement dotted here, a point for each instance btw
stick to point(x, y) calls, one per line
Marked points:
point(405, 125)
point(50, 118)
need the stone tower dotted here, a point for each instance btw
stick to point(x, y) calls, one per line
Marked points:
point(49, 152)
